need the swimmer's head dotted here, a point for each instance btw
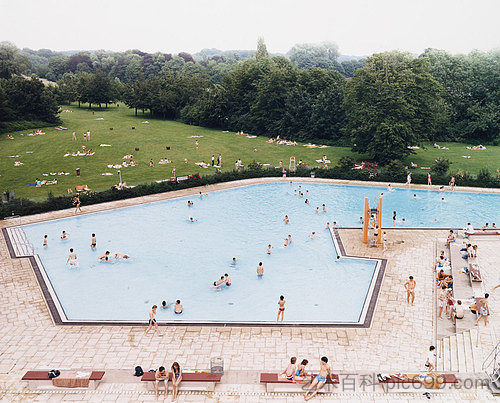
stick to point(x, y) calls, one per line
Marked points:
point(324, 359)
point(260, 263)
point(226, 275)
point(107, 252)
point(164, 303)
point(93, 234)
point(154, 307)
point(45, 236)
point(282, 298)
point(71, 250)
point(178, 301)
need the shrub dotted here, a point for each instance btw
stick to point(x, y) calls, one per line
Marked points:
point(441, 166)
point(395, 171)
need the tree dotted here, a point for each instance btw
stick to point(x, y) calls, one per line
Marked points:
point(310, 56)
point(11, 60)
point(391, 103)
point(261, 49)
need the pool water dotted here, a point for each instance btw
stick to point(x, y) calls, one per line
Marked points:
point(173, 258)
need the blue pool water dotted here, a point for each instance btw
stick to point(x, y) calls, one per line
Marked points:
point(177, 259)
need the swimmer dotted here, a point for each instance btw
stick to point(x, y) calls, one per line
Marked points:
point(164, 305)
point(317, 210)
point(361, 221)
point(327, 225)
point(72, 258)
point(64, 235)
point(414, 196)
point(268, 250)
point(335, 224)
point(307, 192)
point(201, 195)
point(93, 241)
point(441, 189)
point(313, 235)
point(324, 208)
point(191, 219)
point(121, 256)
point(403, 221)
point(295, 192)
point(338, 258)
point(178, 307)
point(286, 220)
point(227, 279)
point(219, 282)
point(307, 201)
point(389, 187)
point(105, 257)
point(233, 263)
point(260, 270)
point(286, 242)
point(289, 239)
point(442, 199)
point(45, 241)
point(290, 183)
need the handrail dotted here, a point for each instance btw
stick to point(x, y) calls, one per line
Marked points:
point(491, 362)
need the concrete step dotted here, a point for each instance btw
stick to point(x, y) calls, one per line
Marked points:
point(460, 352)
point(469, 359)
point(446, 355)
point(477, 352)
point(440, 360)
point(453, 353)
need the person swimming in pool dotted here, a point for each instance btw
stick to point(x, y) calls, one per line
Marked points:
point(320, 379)
point(307, 201)
point(286, 242)
point(191, 219)
point(121, 256)
point(289, 239)
point(106, 257)
point(414, 196)
point(317, 210)
point(72, 258)
point(286, 220)
point(64, 235)
point(45, 241)
point(178, 307)
point(324, 208)
point(219, 282)
point(93, 241)
point(313, 235)
point(227, 279)
point(233, 262)
point(268, 250)
point(260, 270)
point(327, 225)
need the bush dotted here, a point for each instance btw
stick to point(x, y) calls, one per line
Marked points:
point(395, 171)
point(441, 166)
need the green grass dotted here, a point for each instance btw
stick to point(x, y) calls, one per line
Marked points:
point(152, 139)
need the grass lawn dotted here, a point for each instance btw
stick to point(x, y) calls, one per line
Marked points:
point(45, 153)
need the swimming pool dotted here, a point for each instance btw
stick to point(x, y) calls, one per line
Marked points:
point(173, 258)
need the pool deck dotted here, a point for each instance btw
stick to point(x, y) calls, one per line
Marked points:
point(397, 340)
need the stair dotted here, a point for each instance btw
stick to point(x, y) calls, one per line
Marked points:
point(459, 353)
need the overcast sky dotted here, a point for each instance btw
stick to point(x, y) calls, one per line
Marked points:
point(360, 27)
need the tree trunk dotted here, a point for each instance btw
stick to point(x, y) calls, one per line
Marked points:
point(135, 111)
point(90, 105)
point(78, 103)
point(106, 105)
point(100, 107)
point(151, 112)
point(143, 111)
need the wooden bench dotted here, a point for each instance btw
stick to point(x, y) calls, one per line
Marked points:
point(413, 384)
point(475, 273)
point(41, 380)
point(202, 381)
point(275, 383)
point(482, 233)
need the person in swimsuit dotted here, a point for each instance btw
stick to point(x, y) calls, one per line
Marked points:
point(289, 372)
point(161, 376)
point(317, 210)
point(457, 312)
point(410, 290)
point(313, 235)
point(93, 241)
point(219, 282)
point(45, 241)
point(233, 263)
point(286, 220)
point(324, 208)
point(289, 239)
point(327, 225)
point(104, 257)
point(227, 279)
point(320, 379)
point(281, 308)
point(72, 258)
point(176, 379)
point(268, 250)
point(429, 179)
point(64, 235)
point(178, 307)
point(164, 305)
point(121, 256)
point(152, 321)
point(301, 374)
point(286, 242)
point(260, 270)
point(394, 218)
point(77, 203)
point(484, 311)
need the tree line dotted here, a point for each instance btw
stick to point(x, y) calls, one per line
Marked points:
point(392, 101)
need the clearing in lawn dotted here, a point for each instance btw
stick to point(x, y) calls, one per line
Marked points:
point(50, 156)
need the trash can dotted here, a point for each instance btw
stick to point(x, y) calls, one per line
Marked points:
point(77, 171)
point(5, 197)
point(217, 365)
point(313, 174)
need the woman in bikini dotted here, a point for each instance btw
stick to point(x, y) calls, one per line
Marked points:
point(301, 373)
point(176, 379)
point(281, 308)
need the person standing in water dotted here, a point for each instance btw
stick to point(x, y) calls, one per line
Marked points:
point(93, 241)
point(45, 241)
point(281, 308)
point(72, 258)
point(260, 270)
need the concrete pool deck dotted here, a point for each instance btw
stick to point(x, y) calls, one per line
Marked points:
point(397, 340)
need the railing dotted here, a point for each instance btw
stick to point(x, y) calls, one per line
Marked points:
point(491, 364)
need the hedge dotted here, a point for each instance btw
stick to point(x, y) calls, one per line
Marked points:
point(28, 207)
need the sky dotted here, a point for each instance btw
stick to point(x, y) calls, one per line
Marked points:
point(359, 27)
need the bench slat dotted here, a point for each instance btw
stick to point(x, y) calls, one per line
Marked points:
point(447, 378)
point(275, 378)
point(188, 377)
point(44, 376)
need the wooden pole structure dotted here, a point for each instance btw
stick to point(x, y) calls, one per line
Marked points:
point(379, 220)
point(366, 221)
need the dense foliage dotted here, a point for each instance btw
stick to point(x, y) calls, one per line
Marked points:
point(381, 105)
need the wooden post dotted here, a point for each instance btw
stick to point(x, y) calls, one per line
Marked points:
point(379, 219)
point(366, 220)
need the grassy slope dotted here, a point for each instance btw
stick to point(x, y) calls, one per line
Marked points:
point(48, 151)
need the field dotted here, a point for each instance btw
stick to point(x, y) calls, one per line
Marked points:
point(44, 154)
